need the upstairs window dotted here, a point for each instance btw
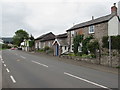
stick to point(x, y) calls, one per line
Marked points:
point(91, 29)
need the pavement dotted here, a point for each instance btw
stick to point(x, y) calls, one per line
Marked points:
point(34, 70)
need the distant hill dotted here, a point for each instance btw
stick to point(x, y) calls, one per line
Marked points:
point(7, 40)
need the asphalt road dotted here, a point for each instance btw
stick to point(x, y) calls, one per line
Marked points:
point(23, 70)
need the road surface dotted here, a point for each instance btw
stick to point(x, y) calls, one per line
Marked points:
point(24, 70)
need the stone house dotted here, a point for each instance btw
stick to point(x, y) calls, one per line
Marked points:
point(108, 25)
point(44, 40)
point(60, 44)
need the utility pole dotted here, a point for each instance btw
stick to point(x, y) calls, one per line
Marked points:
point(110, 60)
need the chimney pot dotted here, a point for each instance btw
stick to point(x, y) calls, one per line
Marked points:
point(114, 9)
point(92, 17)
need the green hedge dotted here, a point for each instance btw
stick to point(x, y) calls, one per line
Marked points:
point(115, 42)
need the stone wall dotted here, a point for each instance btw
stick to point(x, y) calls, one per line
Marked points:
point(104, 60)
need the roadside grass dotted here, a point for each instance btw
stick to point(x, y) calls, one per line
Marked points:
point(118, 67)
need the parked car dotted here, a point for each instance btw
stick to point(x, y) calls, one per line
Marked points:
point(13, 48)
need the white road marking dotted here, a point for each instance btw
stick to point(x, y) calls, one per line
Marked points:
point(16, 54)
point(7, 70)
point(13, 79)
point(40, 63)
point(23, 57)
point(85, 80)
point(4, 65)
point(1, 59)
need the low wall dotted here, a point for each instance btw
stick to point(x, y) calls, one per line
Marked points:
point(104, 60)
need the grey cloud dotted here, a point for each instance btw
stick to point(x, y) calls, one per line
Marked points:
point(39, 18)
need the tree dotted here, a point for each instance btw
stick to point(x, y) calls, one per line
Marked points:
point(85, 43)
point(93, 46)
point(32, 41)
point(31, 37)
point(19, 36)
point(76, 42)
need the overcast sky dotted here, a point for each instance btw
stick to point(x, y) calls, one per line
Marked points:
point(38, 17)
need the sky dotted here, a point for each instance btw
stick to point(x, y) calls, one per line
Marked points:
point(38, 17)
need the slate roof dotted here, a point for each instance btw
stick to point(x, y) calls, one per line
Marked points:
point(93, 22)
point(62, 35)
point(62, 42)
point(46, 37)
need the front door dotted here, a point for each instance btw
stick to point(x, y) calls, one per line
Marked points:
point(57, 50)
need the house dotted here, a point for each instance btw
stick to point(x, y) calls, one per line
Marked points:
point(44, 40)
point(25, 45)
point(119, 8)
point(60, 44)
point(108, 25)
point(1, 41)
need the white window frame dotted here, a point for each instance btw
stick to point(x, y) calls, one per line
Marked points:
point(49, 44)
point(44, 45)
point(39, 44)
point(91, 29)
point(35, 45)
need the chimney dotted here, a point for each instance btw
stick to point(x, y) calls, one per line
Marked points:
point(114, 9)
point(92, 17)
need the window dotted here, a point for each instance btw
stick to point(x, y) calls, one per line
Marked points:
point(39, 44)
point(49, 44)
point(35, 45)
point(91, 29)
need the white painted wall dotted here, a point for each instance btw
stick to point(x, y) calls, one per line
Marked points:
point(63, 49)
point(113, 26)
point(39, 45)
point(119, 8)
point(35, 45)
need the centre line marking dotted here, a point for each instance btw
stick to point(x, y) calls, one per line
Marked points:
point(13, 79)
point(40, 63)
point(4, 65)
point(23, 57)
point(86, 80)
point(7, 70)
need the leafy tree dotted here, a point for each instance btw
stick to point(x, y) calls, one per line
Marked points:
point(19, 36)
point(93, 46)
point(32, 42)
point(115, 42)
point(31, 37)
point(85, 44)
point(76, 42)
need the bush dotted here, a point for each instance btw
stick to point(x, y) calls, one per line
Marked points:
point(115, 42)
point(71, 54)
point(5, 46)
point(93, 46)
point(46, 48)
point(41, 50)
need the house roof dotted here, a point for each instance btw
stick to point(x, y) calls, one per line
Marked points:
point(92, 22)
point(62, 35)
point(60, 42)
point(46, 37)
